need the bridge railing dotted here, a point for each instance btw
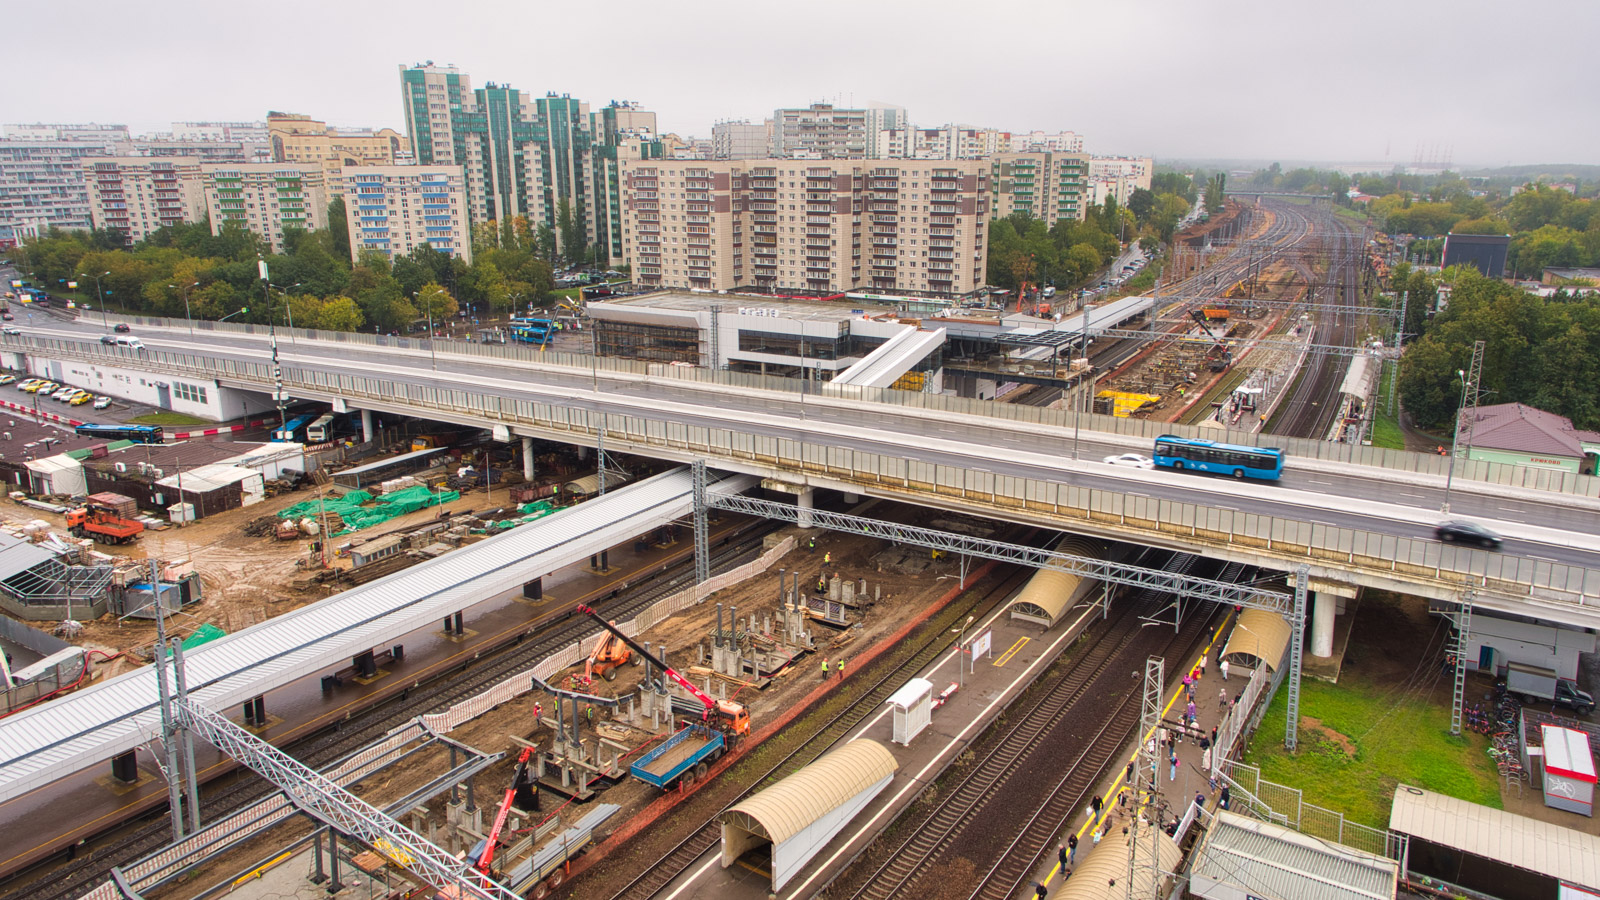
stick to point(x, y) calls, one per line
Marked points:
point(1403, 560)
point(1138, 432)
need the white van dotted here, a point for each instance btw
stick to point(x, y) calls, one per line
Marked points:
point(132, 343)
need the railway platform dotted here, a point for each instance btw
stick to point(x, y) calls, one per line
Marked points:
point(1019, 652)
point(60, 817)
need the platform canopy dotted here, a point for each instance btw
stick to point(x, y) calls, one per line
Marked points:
point(1258, 638)
point(1104, 874)
point(1241, 855)
point(1472, 829)
point(1051, 592)
point(801, 813)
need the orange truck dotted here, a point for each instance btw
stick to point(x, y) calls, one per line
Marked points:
point(103, 524)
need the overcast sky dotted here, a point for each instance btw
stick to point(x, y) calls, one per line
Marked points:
point(1356, 80)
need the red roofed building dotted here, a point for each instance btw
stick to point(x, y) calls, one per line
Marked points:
point(1520, 435)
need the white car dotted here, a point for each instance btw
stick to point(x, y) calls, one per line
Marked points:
point(1130, 460)
point(102, 402)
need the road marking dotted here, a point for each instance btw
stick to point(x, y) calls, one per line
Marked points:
point(1006, 656)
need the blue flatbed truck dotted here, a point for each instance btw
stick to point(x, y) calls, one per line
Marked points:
point(685, 757)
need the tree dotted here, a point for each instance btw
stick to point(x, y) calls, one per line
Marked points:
point(1142, 203)
point(570, 229)
point(338, 229)
point(339, 314)
point(436, 301)
point(1216, 191)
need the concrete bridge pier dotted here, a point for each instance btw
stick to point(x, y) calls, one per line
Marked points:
point(1327, 603)
point(366, 426)
point(806, 500)
point(527, 459)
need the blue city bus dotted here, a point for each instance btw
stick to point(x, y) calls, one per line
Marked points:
point(531, 331)
point(1175, 452)
point(139, 434)
point(291, 430)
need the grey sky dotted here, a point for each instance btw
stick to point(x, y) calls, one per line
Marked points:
point(1490, 83)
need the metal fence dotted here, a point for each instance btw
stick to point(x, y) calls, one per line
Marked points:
point(1136, 431)
point(1421, 563)
point(1272, 802)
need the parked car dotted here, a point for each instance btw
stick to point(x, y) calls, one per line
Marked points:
point(1130, 460)
point(1462, 532)
point(7, 379)
point(28, 385)
point(121, 328)
point(102, 402)
point(82, 398)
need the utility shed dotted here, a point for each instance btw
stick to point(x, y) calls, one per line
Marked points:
point(1259, 638)
point(1568, 770)
point(215, 488)
point(1491, 851)
point(799, 815)
point(1241, 857)
point(913, 709)
point(59, 475)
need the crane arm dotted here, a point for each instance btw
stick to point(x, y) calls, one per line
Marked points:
point(504, 813)
point(672, 673)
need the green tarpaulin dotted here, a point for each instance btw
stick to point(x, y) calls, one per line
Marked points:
point(354, 509)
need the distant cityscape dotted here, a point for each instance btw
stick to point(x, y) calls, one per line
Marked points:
point(815, 197)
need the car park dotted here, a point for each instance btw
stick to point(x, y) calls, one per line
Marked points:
point(1460, 531)
point(1130, 460)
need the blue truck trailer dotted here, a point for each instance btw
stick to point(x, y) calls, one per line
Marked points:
point(683, 758)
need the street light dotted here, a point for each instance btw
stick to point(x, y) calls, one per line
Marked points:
point(432, 353)
point(242, 309)
point(961, 664)
point(184, 292)
point(1454, 438)
point(288, 310)
point(99, 296)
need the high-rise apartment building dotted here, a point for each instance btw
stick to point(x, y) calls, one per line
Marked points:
point(525, 156)
point(902, 225)
point(266, 198)
point(741, 140)
point(1047, 186)
point(1119, 176)
point(819, 131)
point(106, 135)
point(42, 187)
point(242, 132)
point(395, 209)
point(138, 194)
point(299, 138)
point(1043, 142)
point(882, 122)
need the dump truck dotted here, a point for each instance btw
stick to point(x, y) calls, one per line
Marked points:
point(683, 758)
point(102, 523)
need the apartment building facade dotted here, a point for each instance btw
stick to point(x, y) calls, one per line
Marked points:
point(297, 138)
point(139, 194)
point(914, 226)
point(1047, 186)
point(395, 209)
point(42, 187)
point(106, 135)
point(266, 198)
point(241, 132)
point(1119, 176)
point(741, 140)
point(819, 131)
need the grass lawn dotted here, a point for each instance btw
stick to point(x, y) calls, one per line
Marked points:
point(1368, 740)
point(168, 418)
point(1386, 428)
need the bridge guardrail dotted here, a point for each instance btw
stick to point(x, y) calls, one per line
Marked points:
point(1525, 477)
point(1405, 559)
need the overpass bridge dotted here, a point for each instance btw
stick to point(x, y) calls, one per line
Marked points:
point(1354, 516)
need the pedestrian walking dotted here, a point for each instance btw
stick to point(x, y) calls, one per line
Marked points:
point(1128, 775)
point(1088, 813)
point(1205, 761)
point(1204, 657)
point(1098, 803)
point(1213, 782)
point(840, 667)
point(1222, 666)
point(1039, 890)
point(824, 668)
point(1096, 837)
point(1205, 742)
point(1213, 735)
point(1062, 856)
point(1173, 775)
point(1191, 710)
point(1222, 700)
point(811, 544)
point(1072, 847)
point(1222, 801)
point(827, 559)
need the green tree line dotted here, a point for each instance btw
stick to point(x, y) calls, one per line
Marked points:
point(217, 274)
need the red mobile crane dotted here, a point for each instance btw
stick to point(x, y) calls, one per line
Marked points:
point(725, 715)
point(486, 860)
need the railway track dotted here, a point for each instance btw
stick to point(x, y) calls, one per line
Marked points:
point(1314, 400)
point(228, 794)
point(932, 642)
point(976, 813)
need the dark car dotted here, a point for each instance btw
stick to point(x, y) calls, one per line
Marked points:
point(107, 339)
point(121, 328)
point(1458, 532)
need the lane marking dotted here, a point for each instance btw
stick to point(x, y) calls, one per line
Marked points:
point(1006, 656)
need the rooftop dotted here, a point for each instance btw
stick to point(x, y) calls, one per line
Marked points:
point(27, 436)
point(170, 457)
point(1530, 844)
point(781, 307)
point(1524, 429)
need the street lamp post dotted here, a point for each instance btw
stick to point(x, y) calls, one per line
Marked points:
point(433, 355)
point(184, 292)
point(961, 651)
point(99, 296)
point(288, 310)
point(1455, 437)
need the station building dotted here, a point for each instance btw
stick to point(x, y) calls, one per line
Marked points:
point(1520, 435)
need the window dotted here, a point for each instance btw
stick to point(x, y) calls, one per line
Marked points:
point(190, 392)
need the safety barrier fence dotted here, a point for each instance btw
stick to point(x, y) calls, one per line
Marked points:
point(1136, 430)
point(1269, 801)
point(1404, 560)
